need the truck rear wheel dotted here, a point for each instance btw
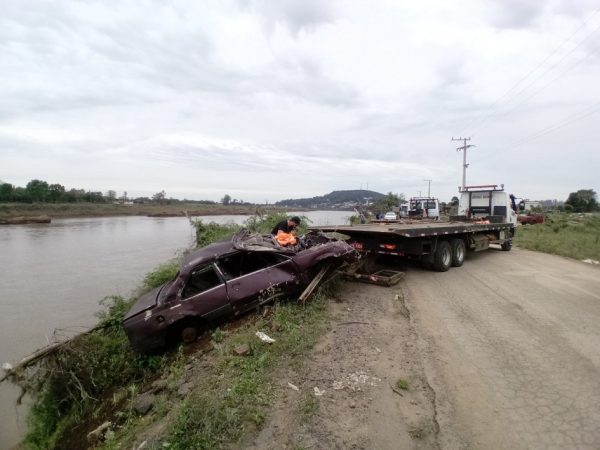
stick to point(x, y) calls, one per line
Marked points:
point(506, 246)
point(458, 252)
point(442, 258)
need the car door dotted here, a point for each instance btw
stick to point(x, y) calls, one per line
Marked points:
point(204, 294)
point(261, 277)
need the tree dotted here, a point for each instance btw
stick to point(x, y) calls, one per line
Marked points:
point(111, 195)
point(388, 202)
point(75, 195)
point(37, 190)
point(56, 192)
point(94, 197)
point(159, 196)
point(454, 201)
point(584, 200)
point(226, 199)
point(6, 192)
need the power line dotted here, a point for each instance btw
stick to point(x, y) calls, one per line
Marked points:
point(486, 115)
point(538, 134)
point(551, 68)
point(569, 120)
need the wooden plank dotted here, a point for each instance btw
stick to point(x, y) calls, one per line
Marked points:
point(313, 284)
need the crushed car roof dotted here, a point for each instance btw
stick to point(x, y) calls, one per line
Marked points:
point(243, 240)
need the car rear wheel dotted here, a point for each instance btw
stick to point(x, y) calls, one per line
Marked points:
point(458, 252)
point(442, 258)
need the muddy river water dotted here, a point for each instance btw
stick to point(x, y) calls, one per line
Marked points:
point(52, 277)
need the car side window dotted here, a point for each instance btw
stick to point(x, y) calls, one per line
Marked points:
point(200, 280)
point(243, 263)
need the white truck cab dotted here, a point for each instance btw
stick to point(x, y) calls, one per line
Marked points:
point(486, 201)
point(424, 207)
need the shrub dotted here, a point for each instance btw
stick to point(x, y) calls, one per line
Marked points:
point(207, 233)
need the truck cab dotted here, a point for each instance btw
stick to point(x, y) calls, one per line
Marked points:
point(403, 210)
point(424, 207)
point(486, 202)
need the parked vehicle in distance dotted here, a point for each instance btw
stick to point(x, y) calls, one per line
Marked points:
point(224, 278)
point(424, 208)
point(530, 219)
point(390, 215)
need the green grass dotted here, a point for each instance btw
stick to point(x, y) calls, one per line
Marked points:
point(403, 384)
point(309, 405)
point(236, 398)
point(572, 235)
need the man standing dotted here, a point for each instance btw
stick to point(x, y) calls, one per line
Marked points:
point(287, 226)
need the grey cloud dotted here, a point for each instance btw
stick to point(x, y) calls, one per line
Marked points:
point(296, 15)
point(576, 8)
point(515, 13)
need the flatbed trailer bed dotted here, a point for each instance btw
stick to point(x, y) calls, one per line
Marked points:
point(438, 244)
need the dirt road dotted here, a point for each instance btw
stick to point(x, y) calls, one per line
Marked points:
point(501, 353)
point(512, 349)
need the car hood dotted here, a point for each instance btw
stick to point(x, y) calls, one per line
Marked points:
point(145, 302)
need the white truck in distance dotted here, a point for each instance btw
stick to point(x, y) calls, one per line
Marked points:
point(421, 207)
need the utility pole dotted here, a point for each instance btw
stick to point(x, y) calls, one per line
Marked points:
point(465, 165)
point(428, 188)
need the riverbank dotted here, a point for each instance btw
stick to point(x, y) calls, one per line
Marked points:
point(71, 210)
point(96, 377)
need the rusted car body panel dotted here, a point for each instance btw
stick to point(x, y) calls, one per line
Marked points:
point(227, 278)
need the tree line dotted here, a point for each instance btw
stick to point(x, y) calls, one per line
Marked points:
point(44, 192)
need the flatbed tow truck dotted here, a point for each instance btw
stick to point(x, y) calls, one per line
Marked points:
point(486, 216)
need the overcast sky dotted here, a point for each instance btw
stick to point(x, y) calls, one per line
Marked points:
point(266, 100)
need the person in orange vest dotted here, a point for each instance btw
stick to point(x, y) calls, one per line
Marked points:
point(285, 231)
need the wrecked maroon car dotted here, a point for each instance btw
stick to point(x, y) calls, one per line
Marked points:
point(228, 278)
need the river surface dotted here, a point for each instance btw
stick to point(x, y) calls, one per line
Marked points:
point(52, 278)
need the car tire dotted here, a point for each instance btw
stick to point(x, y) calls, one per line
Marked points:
point(442, 258)
point(185, 331)
point(459, 252)
point(506, 246)
point(189, 334)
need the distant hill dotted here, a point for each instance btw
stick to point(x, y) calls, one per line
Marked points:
point(335, 199)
